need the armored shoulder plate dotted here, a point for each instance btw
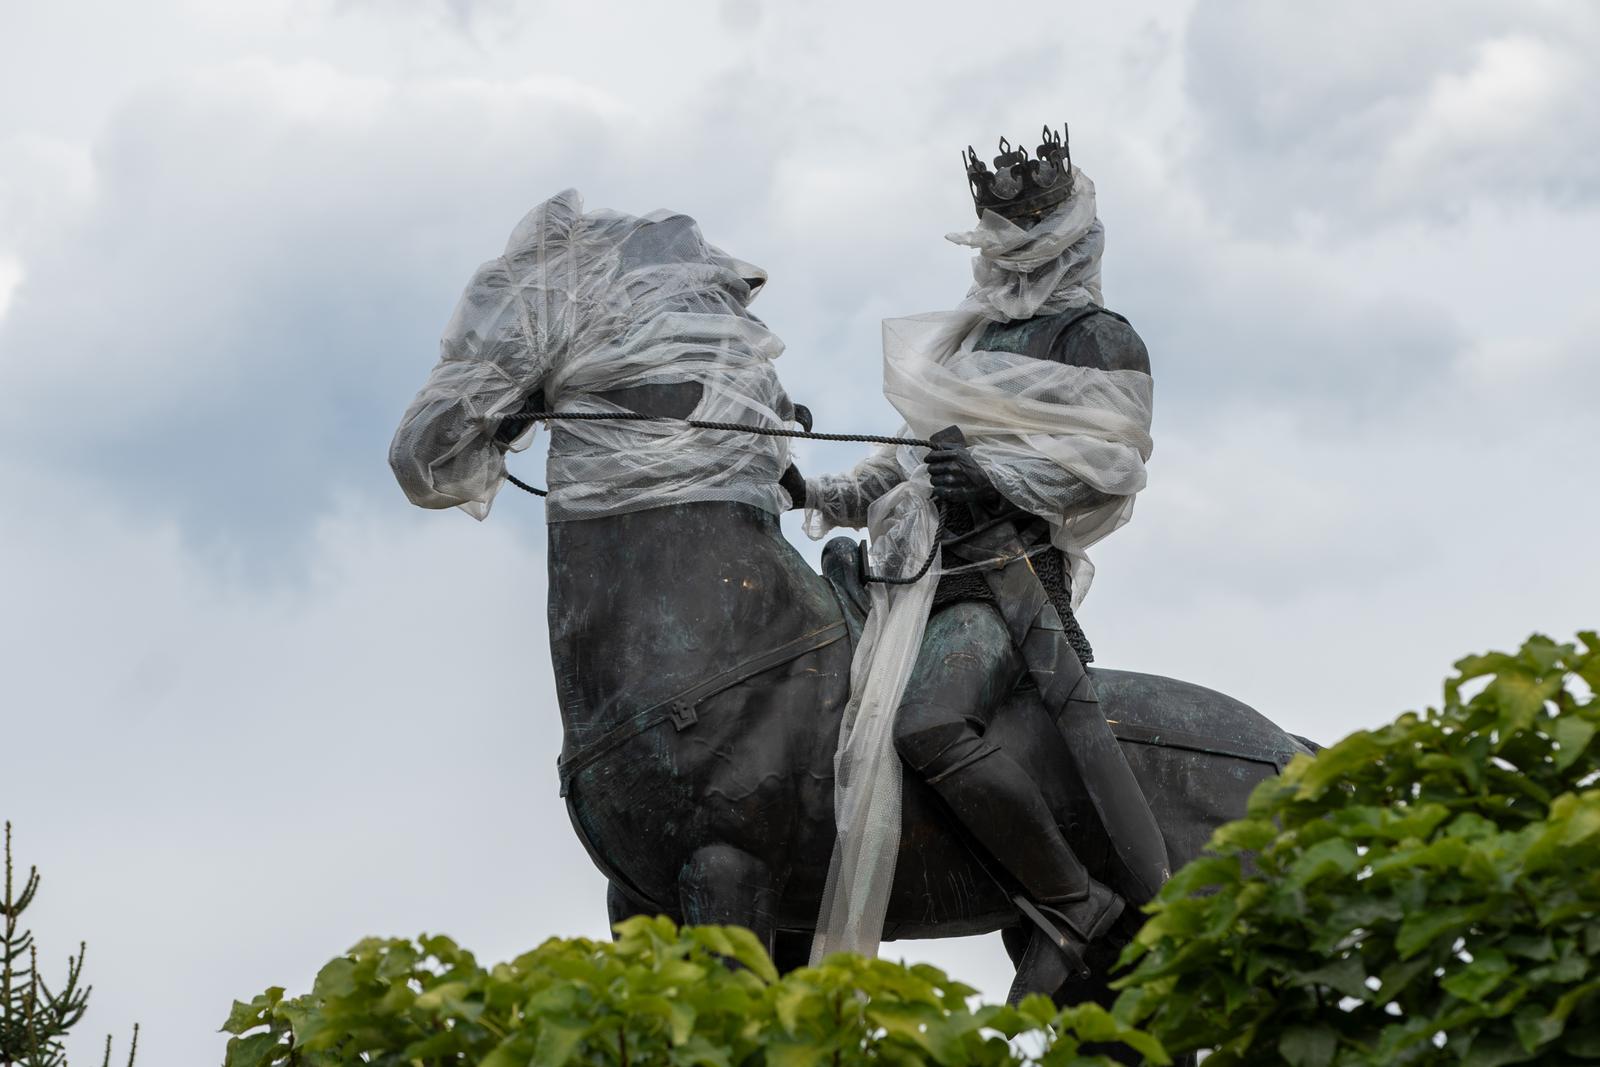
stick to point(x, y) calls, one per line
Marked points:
point(1089, 336)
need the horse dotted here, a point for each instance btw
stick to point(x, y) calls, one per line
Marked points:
point(702, 667)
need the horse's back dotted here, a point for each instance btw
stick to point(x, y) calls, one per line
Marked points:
point(1198, 753)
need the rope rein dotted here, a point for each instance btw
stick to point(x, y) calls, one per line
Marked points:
point(702, 424)
point(734, 427)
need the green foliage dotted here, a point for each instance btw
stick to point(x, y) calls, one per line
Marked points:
point(34, 1019)
point(657, 995)
point(1424, 893)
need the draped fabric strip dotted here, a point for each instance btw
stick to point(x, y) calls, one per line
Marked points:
point(1040, 429)
point(584, 303)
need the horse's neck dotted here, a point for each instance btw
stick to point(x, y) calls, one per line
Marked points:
point(646, 604)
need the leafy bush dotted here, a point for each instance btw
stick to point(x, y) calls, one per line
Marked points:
point(657, 995)
point(1424, 893)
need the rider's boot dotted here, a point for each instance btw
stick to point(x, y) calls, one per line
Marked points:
point(966, 667)
point(999, 804)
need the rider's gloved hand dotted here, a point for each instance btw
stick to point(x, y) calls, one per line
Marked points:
point(957, 477)
point(794, 483)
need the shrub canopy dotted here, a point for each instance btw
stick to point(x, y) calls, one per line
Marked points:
point(657, 995)
point(1424, 893)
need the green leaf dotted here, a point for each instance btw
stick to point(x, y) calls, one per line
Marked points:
point(257, 1050)
point(1346, 976)
point(1204, 873)
point(1535, 1028)
point(1419, 931)
point(1308, 1046)
point(1329, 858)
point(336, 979)
point(1573, 735)
point(1521, 697)
point(749, 950)
point(559, 1037)
point(1355, 753)
point(788, 1003)
point(1478, 979)
point(789, 1053)
point(515, 1051)
point(246, 1017)
point(1493, 1050)
point(698, 1052)
point(1245, 835)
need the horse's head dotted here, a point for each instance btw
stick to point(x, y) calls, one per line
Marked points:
point(602, 312)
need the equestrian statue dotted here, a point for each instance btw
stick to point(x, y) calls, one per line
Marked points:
point(735, 724)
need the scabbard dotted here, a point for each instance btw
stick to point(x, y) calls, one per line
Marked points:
point(1068, 695)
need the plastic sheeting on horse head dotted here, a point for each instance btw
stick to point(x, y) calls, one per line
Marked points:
point(580, 304)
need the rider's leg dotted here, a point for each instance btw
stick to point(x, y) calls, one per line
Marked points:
point(1136, 840)
point(966, 668)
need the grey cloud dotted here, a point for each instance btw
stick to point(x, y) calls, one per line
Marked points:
point(229, 335)
point(1375, 110)
point(230, 784)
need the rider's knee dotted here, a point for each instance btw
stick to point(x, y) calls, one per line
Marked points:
point(932, 741)
point(971, 621)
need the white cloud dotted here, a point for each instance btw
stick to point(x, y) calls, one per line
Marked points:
point(10, 278)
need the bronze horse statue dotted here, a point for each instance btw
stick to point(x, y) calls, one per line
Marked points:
point(702, 667)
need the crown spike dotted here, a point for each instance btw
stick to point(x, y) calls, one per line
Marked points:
point(1019, 188)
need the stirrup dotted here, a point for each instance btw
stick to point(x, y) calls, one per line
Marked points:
point(1061, 933)
point(1090, 917)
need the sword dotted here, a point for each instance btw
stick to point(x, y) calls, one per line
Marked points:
point(1067, 692)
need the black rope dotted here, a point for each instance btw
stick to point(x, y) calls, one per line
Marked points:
point(734, 427)
point(524, 486)
point(884, 579)
point(701, 424)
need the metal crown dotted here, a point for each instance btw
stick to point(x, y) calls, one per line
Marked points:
point(1020, 188)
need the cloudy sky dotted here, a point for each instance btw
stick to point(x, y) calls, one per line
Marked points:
point(254, 706)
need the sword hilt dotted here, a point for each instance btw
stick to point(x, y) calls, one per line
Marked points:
point(949, 437)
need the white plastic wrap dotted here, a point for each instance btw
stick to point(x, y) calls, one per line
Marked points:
point(1054, 265)
point(1065, 443)
point(1039, 429)
point(581, 304)
point(866, 782)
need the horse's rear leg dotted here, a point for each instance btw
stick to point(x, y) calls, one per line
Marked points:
point(792, 950)
point(620, 906)
point(726, 885)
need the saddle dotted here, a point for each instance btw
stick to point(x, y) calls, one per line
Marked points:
point(842, 566)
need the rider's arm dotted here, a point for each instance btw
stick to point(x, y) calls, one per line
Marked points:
point(1103, 341)
point(843, 499)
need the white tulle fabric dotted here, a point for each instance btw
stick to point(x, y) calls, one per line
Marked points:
point(903, 525)
point(1041, 431)
point(582, 303)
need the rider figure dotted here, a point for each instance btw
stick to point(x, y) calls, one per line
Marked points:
point(969, 660)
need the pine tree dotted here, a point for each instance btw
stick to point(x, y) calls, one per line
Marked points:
point(34, 1021)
